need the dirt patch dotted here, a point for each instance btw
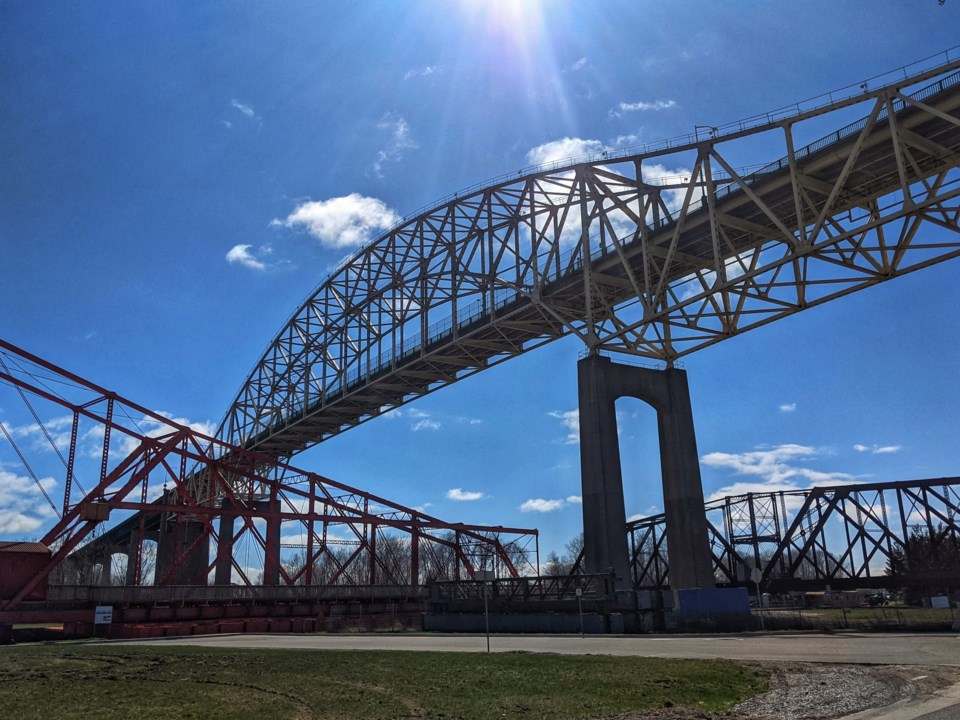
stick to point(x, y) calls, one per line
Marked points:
point(809, 691)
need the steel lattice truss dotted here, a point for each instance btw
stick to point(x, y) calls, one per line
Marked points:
point(118, 458)
point(843, 535)
point(657, 254)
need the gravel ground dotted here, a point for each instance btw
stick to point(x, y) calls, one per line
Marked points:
point(805, 691)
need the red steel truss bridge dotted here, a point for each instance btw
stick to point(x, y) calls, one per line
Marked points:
point(847, 536)
point(205, 507)
point(656, 251)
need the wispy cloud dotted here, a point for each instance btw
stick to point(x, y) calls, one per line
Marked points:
point(628, 107)
point(579, 64)
point(400, 142)
point(542, 505)
point(878, 449)
point(461, 495)
point(422, 420)
point(152, 427)
point(651, 510)
point(23, 509)
point(425, 71)
point(342, 222)
point(788, 407)
point(245, 109)
point(778, 468)
point(244, 255)
point(571, 423)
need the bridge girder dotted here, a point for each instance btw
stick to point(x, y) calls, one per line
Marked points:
point(622, 252)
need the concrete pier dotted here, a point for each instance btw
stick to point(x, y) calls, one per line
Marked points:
point(224, 570)
point(600, 383)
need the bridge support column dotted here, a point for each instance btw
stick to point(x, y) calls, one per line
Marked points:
point(271, 559)
point(223, 574)
point(106, 571)
point(131, 552)
point(601, 382)
point(186, 544)
point(601, 478)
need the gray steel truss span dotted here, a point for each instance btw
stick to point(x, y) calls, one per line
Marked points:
point(841, 536)
point(656, 254)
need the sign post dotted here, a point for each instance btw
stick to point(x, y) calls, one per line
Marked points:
point(103, 615)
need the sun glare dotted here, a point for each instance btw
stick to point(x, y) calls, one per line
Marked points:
point(518, 20)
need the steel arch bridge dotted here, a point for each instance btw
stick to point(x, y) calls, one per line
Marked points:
point(656, 252)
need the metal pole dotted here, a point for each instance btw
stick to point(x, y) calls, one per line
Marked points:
point(580, 608)
point(760, 606)
point(486, 614)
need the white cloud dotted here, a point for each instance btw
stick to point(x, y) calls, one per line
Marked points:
point(651, 510)
point(246, 110)
point(788, 407)
point(563, 149)
point(153, 428)
point(625, 107)
point(626, 140)
point(58, 428)
point(23, 509)
point(571, 422)
point(579, 64)
point(400, 142)
point(878, 449)
point(776, 467)
point(240, 254)
point(425, 71)
point(464, 495)
point(423, 420)
point(425, 424)
point(342, 222)
point(658, 174)
point(542, 506)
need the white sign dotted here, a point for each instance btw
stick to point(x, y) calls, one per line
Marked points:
point(103, 615)
point(579, 592)
point(756, 575)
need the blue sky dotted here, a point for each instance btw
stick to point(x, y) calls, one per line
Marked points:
point(177, 177)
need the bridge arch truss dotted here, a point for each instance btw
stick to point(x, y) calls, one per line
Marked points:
point(656, 254)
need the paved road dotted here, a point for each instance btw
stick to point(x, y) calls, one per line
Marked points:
point(873, 648)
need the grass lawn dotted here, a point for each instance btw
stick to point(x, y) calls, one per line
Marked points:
point(120, 681)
